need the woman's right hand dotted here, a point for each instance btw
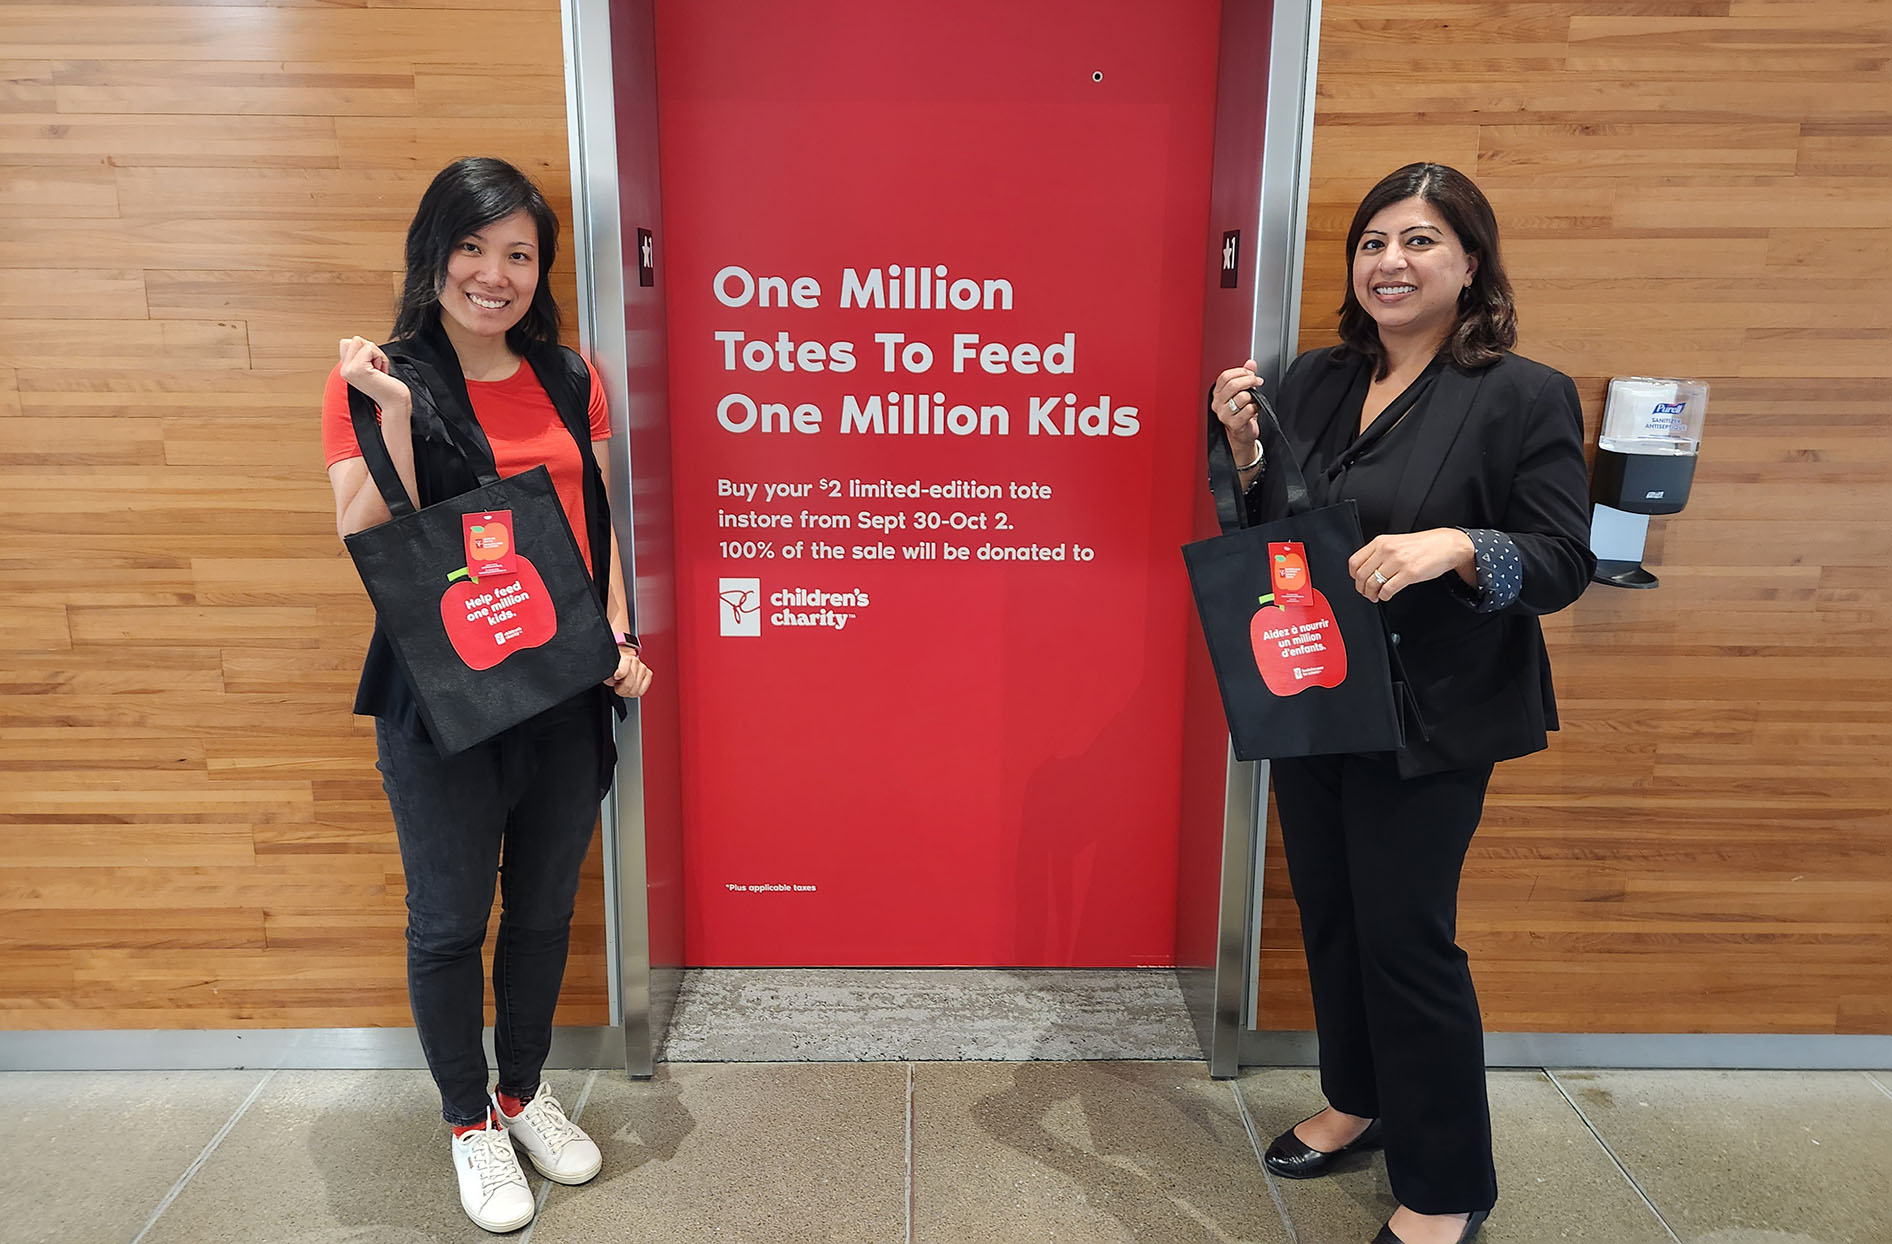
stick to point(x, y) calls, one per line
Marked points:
point(358, 500)
point(365, 367)
point(1236, 409)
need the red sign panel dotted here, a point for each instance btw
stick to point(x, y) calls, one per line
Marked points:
point(935, 277)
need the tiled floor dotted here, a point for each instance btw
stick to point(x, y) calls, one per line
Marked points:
point(940, 1153)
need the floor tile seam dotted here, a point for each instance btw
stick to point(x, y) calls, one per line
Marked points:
point(909, 1196)
point(546, 1186)
point(1877, 1082)
point(1267, 1177)
point(203, 1156)
point(1611, 1154)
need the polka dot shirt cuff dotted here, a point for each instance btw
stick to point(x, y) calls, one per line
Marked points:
point(1500, 570)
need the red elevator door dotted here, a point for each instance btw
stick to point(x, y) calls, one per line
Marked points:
point(934, 282)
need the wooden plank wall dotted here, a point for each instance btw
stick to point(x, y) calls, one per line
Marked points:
point(200, 199)
point(1689, 189)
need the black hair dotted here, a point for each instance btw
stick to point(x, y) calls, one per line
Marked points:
point(1487, 324)
point(465, 197)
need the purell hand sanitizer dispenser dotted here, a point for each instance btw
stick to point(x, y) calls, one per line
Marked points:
point(1645, 463)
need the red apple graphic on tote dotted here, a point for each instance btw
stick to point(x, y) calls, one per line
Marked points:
point(489, 620)
point(1298, 646)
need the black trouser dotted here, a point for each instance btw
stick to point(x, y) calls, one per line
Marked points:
point(1375, 862)
point(519, 809)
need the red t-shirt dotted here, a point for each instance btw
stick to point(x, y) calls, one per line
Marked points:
point(520, 421)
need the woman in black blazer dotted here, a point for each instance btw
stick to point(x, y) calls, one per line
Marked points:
point(1466, 462)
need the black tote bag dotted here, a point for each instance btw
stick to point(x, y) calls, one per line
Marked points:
point(481, 654)
point(1300, 656)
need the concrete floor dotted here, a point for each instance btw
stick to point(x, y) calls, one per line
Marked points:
point(940, 1152)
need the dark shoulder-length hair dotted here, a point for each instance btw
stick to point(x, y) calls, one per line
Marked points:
point(465, 197)
point(1487, 324)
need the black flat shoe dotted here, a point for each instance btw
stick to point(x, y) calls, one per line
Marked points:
point(1472, 1224)
point(1290, 1158)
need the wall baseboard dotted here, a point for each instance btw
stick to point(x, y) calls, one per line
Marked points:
point(1704, 1051)
point(396, 1048)
point(214, 1049)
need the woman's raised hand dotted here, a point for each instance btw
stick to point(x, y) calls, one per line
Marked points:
point(1236, 409)
point(365, 367)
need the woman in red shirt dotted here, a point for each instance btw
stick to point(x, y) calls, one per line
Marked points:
point(475, 301)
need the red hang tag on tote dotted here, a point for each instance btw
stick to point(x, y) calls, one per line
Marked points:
point(1287, 565)
point(489, 543)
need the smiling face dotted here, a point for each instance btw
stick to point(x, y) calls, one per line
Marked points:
point(491, 277)
point(1408, 271)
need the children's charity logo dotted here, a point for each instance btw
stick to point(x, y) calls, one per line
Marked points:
point(739, 606)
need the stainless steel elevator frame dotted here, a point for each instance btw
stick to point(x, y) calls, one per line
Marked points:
point(1264, 131)
point(1264, 125)
point(611, 106)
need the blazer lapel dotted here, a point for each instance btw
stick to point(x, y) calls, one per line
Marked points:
point(1308, 410)
point(1447, 408)
point(1307, 427)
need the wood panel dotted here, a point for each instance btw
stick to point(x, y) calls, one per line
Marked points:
point(200, 199)
point(1697, 189)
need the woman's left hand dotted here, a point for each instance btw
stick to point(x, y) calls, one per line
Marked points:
point(632, 678)
point(1392, 562)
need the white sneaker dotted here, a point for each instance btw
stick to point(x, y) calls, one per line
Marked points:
point(493, 1190)
point(558, 1147)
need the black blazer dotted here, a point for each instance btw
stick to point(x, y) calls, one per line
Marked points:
point(1501, 448)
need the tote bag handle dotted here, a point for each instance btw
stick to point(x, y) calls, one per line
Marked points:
point(374, 448)
point(1225, 480)
point(1225, 483)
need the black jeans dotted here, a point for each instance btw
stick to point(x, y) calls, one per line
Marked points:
point(518, 809)
point(1375, 862)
